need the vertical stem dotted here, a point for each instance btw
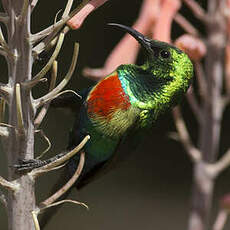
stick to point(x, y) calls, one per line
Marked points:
point(216, 40)
point(210, 128)
point(201, 199)
point(20, 144)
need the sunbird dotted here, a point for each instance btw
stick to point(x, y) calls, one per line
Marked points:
point(132, 97)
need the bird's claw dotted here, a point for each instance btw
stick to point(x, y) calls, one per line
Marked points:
point(27, 165)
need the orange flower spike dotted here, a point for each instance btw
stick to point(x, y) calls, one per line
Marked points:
point(191, 45)
point(148, 15)
point(162, 28)
point(76, 21)
point(126, 50)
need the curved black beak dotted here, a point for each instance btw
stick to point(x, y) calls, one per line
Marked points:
point(145, 42)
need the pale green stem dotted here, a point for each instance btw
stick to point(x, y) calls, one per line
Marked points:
point(41, 74)
point(40, 101)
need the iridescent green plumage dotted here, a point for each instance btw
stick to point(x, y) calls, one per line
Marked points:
point(151, 89)
point(130, 98)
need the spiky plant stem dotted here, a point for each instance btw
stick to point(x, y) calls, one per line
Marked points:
point(21, 139)
point(209, 135)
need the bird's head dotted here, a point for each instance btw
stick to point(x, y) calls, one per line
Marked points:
point(164, 61)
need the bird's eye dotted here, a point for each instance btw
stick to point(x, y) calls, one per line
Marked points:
point(165, 54)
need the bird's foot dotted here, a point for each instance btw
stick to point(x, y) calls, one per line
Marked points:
point(28, 165)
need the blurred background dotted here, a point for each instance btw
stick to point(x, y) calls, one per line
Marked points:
point(151, 188)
